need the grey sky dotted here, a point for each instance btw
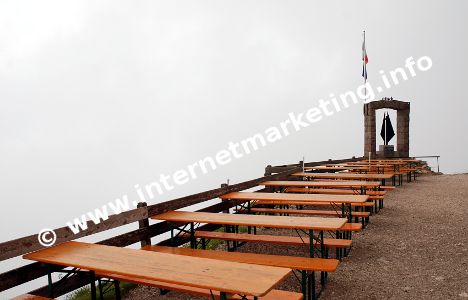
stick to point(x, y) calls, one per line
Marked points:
point(97, 97)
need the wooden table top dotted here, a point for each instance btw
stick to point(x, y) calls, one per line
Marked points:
point(297, 197)
point(225, 276)
point(332, 183)
point(344, 176)
point(314, 223)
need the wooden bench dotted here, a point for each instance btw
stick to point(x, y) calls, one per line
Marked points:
point(373, 195)
point(302, 264)
point(312, 212)
point(291, 262)
point(327, 204)
point(271, 239)
point(353, 227)
point(30, 297)
point(272, 295)
point(332, 191)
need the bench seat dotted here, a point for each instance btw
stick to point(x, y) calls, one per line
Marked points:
point(272, 295)
point(331, 213)
point(273, 239)
point(354, 227)
point(291, 262)
point(332, 191)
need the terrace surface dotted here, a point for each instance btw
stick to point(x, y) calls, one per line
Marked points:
point(414, 248)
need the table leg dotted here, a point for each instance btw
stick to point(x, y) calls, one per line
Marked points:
point(350, 216)
point(311, 286)
point(311, 243)
point(92, 276)
point(322, 255)
point(101, 294)
point(49, 280)
point(304, 283)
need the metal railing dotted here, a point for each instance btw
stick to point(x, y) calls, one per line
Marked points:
point(431, 156)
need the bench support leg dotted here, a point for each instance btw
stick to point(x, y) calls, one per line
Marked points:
point(311, 286)
point(203, 242)
point(117, 290)
point(193, 243)
point(223, 296)
point(323, 254)
point(101, 294)
point(304, 283)
point(311, 243)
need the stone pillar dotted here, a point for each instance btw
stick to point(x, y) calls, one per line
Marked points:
point(403, 132)
point(369, 131)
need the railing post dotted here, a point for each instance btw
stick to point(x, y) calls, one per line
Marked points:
point(267, 170)
point(144, 224)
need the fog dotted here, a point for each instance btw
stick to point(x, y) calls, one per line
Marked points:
point(96, 97)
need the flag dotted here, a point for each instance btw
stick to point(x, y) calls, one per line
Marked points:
point(365, 60)
point(387, 132)
point(389, 129)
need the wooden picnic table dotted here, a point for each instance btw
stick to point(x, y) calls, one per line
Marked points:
point(310, 224)
point(345, 175)
point(372, 165)
point(353, 184)
point(224, 276)
point(285, 197)
point(300, 199)
point(397, 160)
point(336, 168)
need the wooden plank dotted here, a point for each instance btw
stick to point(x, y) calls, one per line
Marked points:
point(254, 220)
point(297, 197)
point(333, 183)
point(212, 274)
point(292, 262)
point(30, 243)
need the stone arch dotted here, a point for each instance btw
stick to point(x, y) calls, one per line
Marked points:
point(402, 132)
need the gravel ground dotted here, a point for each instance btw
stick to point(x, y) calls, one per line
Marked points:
point(415, 248)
